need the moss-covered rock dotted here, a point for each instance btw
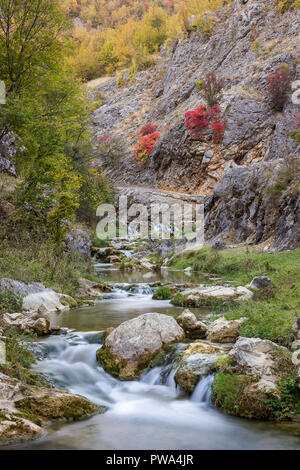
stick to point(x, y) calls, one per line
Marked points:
point(55, 407)
point(129, 349)
point(211, 296)
point(68, 301)
point(198, 360)
point(261, 385)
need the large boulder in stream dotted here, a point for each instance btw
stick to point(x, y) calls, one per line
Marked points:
point(129, 350)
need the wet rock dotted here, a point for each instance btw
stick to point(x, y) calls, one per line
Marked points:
point(128, 351)
point(55, 329)
point(25, 409)
point(198, 360)
point(92, 288)
point(260, 282)
point(114, 259)
point(192, 327)
point(54, 405)
point(192, 368)
point(68, 301)
point(224, 331)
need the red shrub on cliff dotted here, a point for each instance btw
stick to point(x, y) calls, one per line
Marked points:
point(145, 146)
point(279, 86)
point(148, 129)
point(203, 118)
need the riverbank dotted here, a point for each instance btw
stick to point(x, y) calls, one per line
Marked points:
point(272, 311)
point(268, 315)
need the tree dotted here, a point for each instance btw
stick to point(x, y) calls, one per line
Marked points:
point(46, 110)
point(32, 34)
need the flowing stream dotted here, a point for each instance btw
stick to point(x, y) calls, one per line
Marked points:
point(148, 414)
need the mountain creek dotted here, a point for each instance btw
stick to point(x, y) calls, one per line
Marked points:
point(152, 412)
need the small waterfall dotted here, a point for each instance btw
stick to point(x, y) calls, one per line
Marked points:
point(141, 289)
point(153, 377)
point(171, 380)
point(202, 393)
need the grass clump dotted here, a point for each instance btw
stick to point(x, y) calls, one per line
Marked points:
point(215, 304)
point(19, 360)
point(10, 302)
point(162, 293)
point(31, 261)
point(228, 390)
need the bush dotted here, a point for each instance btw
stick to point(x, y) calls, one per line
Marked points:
point(146, 143)
point(212, 87)
point(109, 149)
point(10, 302)
point(203, 119)
point(148, 129)
point(279, 86)
point(162, 293)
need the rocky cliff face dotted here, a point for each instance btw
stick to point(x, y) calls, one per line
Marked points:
point(250, 40)
point(165, 93)
point(256, 204)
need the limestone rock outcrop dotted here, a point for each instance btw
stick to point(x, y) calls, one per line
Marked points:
point(224, 331)
point(192, 327)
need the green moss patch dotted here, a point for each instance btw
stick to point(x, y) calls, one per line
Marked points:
point(162, 293)
point(41, 410)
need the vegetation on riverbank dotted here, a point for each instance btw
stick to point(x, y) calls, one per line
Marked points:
point(37, 261)
point(162, 293)
point(272, 312)
point(232, 393)
point(19, 360)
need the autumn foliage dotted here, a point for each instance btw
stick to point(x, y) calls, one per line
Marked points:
point(212, 88)
point(148, 138)
point(202, 120)
point(148, 129)
point(279, 86)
